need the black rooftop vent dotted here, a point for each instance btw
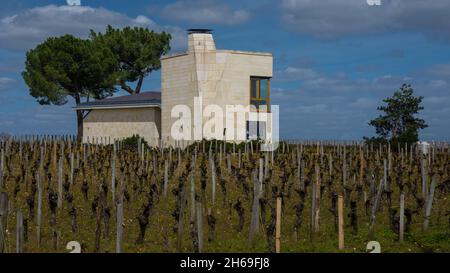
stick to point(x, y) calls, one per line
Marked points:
point(199, 30)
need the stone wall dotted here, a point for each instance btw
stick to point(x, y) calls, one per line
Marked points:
point(108, 124)
point(178, 87)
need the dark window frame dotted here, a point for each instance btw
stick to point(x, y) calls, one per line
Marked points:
point(257, 80)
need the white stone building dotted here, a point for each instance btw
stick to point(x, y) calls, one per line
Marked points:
point(205, 74)
point(122, 117)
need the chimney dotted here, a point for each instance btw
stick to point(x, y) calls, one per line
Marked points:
point(200, 40)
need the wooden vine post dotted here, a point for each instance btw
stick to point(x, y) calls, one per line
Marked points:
point(402, 217)
point(266, 165)
point(261, 176)
point(113, 176)
point(199, 226)
point(119, 227)
point(166, 177)
point(317, 201)
point(313, 209)
point(60, 184)
point(3, 219)
point(424, 178)
point(341, 222)
point(19, 232)
point(385, 175)
point(181, 218)
point(192, 195)
point(375, 208)
point(344, 173)
point(239, 158)
point(254, 224)
point(429, 204)
point(72, 162)
point(2, 156)
point(2, 160)
point(302, 175)
point(213, 180)
point(278, 226)
point(39, 210)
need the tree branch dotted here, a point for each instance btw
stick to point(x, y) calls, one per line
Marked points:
point(139, 84)
point(127, 88)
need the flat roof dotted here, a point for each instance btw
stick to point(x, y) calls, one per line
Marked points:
point(199, 30)
point(173, 55)
point(143, 99)
point(257, 53)
point(245, 52)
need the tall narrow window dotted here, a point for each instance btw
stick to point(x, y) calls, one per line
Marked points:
point(260, 93)
point(256, 130)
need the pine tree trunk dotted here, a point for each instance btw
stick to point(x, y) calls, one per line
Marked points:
point(79, 120)
point(79, 125)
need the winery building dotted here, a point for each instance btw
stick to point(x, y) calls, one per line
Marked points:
point(121, 117)
point(212, 76)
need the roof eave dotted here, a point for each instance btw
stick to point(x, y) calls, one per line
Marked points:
point(112, 106)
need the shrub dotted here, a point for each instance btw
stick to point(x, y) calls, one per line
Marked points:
point(131, 143)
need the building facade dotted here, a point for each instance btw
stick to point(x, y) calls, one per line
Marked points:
point(202, 76)
point(215, 77)
point(121, 117)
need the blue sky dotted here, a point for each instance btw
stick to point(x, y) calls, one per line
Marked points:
point(334, 60)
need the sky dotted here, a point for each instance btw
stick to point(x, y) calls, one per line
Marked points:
point(334, 60)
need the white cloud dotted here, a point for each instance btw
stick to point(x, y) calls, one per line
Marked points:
point(8, 19)
point(143, 20)
point(6, 123)
point(32, 118)
point(5, 83)
point(318, 105)
point(333, 19)
point(204, 12)
point(295, 73)
point(437, 100)
point(364, 103)
point(438, 83)
point(439, 70)
point(30, 27)
point(311, 109)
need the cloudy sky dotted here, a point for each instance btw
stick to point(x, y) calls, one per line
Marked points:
point(334, 60)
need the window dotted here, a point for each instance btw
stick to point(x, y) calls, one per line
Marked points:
point(260, 93)
point(256, 130)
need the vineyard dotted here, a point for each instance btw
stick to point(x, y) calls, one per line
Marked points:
point(213, 196)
